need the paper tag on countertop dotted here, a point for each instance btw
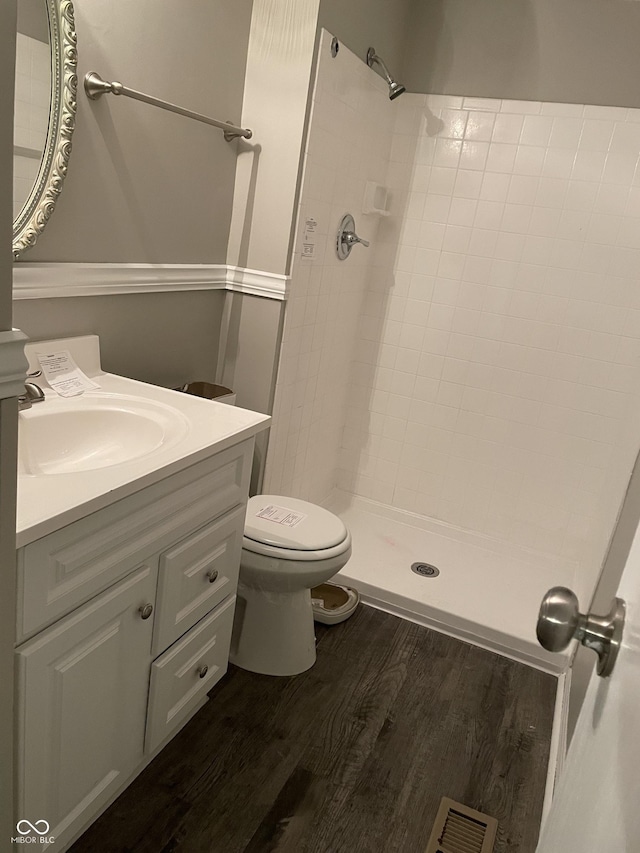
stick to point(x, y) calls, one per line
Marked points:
point(63, 374)
point(281, 515)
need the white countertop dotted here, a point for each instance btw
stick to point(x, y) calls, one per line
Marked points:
point(47, 502)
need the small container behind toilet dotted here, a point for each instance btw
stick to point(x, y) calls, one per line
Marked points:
point(210, 391)
point(222, 394)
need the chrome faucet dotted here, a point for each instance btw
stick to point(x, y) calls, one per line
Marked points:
point(33, 393)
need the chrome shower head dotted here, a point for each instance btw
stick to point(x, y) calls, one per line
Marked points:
point(395, 88)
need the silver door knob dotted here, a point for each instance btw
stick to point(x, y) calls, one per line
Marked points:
point(212, 576)
point(145, 610)
point(347, 237)
point(560, 621)
point(203, 670)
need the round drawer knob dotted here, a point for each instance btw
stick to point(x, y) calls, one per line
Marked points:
point(145, 610)
point(203, 670)
point(212, 575)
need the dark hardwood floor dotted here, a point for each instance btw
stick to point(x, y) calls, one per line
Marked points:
point(350, 757)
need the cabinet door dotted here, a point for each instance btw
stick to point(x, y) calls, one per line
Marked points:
point(82, 694)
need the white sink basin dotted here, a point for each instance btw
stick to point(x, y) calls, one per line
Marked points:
point(68, 435)
point(78, 455)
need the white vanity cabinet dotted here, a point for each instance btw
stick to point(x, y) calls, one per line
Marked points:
point(125, 621)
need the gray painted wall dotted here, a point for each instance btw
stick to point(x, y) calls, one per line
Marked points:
point(33, 20)
point(574, 51)
point(361, 24)
point(163, 338)
point(144, 185)
point(250, 348)
point(251, 329)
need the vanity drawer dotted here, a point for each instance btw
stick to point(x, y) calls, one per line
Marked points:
point(177, 680)
point(196, 575)
point(66, 568)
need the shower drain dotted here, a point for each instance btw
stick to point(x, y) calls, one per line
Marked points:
point(425, 569)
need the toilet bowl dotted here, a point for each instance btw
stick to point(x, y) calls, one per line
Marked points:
point(289, 546)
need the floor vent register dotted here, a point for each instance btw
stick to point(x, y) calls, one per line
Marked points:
point(459, 829)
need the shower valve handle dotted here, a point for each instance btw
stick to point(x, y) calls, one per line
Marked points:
point(560, 622)
point(351, 238)
point(347, 237)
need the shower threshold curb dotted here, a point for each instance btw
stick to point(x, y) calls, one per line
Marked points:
point(461, 629)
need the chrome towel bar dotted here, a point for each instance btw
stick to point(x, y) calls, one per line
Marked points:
point(95, 87)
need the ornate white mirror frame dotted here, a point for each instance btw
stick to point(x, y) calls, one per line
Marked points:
point(41, 202)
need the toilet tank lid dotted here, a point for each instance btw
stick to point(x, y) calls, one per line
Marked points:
point(292, 523)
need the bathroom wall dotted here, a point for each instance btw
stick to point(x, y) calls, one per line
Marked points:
point(31, 114)
point(276, 89)
point(32, 20)
point(578, 51)
point(249, 348)
point(349, 144)
point(144, 185)
point(279, 75)
point(279, 71)
point(361, 24)
point(495, 384)
point(163, 338)
point(276, 93)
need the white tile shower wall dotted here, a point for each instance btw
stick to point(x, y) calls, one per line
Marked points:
point(349, 143)
point(495, 384)
point(32, 95)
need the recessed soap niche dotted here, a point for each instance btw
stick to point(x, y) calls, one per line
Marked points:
point(376, 199)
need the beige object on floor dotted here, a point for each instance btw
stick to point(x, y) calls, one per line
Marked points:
point(332, 603)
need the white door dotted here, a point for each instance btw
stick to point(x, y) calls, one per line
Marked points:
point(596, 807)
point(8, 420)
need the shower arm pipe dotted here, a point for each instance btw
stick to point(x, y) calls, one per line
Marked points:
point(95, 87)
point(372, 57)
point(395, 89)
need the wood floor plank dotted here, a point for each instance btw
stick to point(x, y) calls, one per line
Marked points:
point(302, 709)
point(287, 822)
point(384, 803)
point(350, 757)
point(248, 729)
point(351, 722)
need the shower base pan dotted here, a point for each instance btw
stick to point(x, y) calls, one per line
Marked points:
point(486, 592)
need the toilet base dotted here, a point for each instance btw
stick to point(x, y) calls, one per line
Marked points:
point(273, 632)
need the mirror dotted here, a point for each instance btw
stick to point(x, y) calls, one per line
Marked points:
point(45, 113)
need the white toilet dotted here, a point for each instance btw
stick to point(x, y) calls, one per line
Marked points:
point(289, 546)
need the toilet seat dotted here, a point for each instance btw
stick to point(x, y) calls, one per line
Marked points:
point(293, 554)
point(291, 529)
